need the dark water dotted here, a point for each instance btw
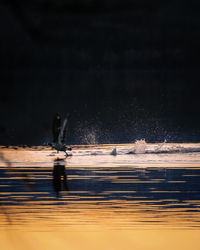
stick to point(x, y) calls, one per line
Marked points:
point(130, 196)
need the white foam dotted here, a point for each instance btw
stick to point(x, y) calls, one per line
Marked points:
point(138, 153)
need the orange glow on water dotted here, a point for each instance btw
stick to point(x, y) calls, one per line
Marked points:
point(114, 202)
point(103, 239)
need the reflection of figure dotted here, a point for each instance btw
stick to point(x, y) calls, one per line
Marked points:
point(59, 133)
point(59, 176)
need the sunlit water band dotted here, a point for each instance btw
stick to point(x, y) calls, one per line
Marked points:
point(119, 186)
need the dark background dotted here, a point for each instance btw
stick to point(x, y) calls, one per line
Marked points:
point(124, 69)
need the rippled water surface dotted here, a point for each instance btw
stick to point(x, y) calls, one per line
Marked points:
point(98, 188)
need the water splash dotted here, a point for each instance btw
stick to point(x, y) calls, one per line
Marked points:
point(139, 147)
point(89, 137)
point(160, 146)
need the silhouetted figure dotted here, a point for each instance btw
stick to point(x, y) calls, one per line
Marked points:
point(59, 133)
point(59, 176)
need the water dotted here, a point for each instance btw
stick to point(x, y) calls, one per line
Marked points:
point(124, 189)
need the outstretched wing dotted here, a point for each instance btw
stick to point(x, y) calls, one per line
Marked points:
point(56, 128)
point(62, 134)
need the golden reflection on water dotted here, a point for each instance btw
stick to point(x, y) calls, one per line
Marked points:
point(123, 205)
